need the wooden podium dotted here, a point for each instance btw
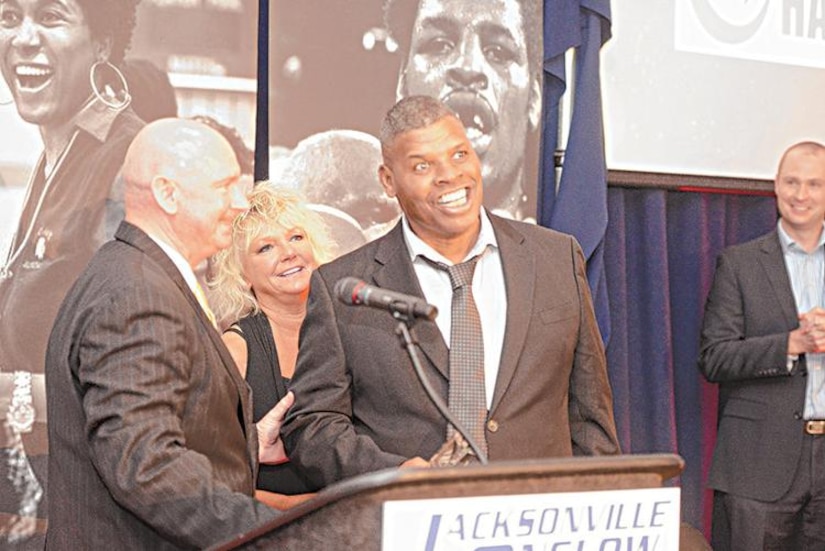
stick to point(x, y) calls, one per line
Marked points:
point(348, 515)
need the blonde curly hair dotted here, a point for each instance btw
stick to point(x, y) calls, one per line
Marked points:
point(270, 206)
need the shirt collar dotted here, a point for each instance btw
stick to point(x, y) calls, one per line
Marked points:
point(417, 247)
point(96, 118)
point(788, 244)
point(179, 261)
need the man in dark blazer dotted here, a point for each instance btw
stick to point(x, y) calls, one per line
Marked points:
point(762, 338)
point(152, 444)
point(359, 406)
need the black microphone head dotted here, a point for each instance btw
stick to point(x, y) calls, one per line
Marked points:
point(347, 288)
point(354, 292)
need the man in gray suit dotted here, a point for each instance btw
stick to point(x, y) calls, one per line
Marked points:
point(359, 406)
point(763, 340)
point(152, 442)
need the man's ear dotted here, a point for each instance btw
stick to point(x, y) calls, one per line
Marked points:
point(534, 107)
point(166, 194)
point(385, 176)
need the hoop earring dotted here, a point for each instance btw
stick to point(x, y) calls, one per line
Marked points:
point(113, 100)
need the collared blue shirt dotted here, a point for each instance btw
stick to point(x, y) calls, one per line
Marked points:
point(807, 274)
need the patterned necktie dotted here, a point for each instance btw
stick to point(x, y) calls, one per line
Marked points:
point(467, 399)
point(201, 296)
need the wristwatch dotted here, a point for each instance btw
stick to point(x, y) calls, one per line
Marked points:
point(21, 409)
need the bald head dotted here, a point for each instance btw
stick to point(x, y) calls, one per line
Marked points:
point(803, 148)
point(175, 149)
point(183, 185)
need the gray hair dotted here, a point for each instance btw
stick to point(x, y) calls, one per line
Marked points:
point(411, 113)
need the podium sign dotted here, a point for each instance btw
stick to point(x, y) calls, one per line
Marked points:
point(637, 519)
point(605, 503)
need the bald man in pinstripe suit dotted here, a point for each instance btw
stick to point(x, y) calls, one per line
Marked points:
point(151, 435)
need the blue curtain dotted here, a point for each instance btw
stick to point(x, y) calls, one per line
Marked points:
point(579, 205)
point(660, 254)
point(651, 257)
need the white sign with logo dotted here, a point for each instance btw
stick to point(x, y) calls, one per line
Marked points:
point(642, 519)
point(780, 31)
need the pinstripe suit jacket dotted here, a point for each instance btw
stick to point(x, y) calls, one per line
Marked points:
point(749, 314)
point(359, 406)
point(151, 439)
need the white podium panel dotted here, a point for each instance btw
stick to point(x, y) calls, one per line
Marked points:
point(636, 519)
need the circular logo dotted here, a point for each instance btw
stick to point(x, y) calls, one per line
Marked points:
point(729, 21)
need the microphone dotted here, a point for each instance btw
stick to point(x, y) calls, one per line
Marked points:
point(354, 292)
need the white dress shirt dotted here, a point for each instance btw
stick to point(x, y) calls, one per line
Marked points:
point(188, 275)
point(489, 292)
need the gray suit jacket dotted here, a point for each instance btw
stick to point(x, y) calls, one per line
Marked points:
point(152, 444)
point(749, 313)
point(359, 406)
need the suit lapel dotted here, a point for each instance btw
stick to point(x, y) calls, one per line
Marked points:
point(138, 239)
point(395, 271)
point(773, 263)
point(519, 280)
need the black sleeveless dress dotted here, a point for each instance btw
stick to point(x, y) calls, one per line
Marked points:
point(263, 374)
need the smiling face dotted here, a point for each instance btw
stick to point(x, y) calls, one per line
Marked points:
point(436, 177)
point(46, 51)
point(473, 56)
point(800, 191)
point(278, 263)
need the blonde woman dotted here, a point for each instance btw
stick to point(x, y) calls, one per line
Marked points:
point(258, 289)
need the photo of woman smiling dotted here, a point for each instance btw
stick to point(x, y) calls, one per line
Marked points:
point(59, 61)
